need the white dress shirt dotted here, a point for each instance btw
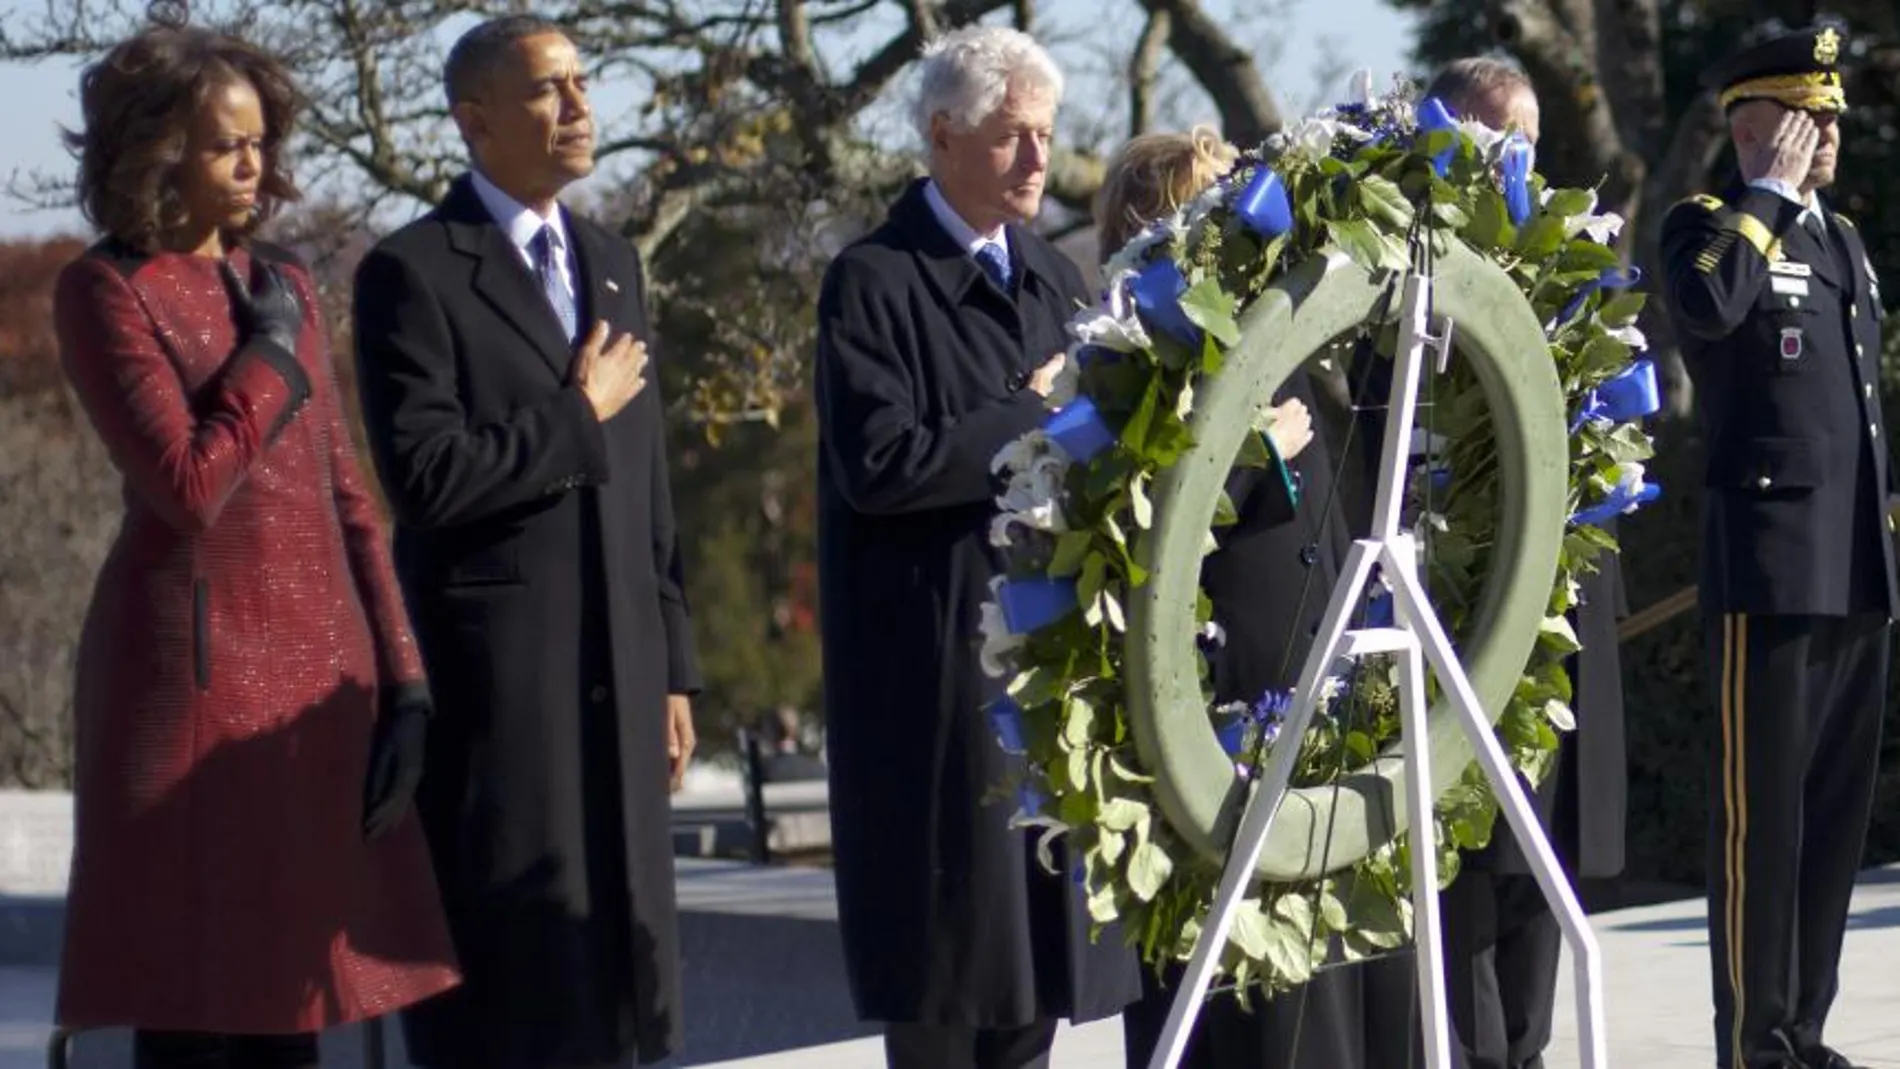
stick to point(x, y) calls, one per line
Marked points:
point(521, 223)
point(963, 233)
point(1810, 204)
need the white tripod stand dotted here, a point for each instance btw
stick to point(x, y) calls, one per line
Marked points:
point(1416, 637)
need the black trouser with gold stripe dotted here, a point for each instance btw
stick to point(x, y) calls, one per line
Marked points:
point(1795, 753)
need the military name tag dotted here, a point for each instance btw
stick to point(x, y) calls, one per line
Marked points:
point(1794, 287)
point(1791, 343)
point(1792, 268)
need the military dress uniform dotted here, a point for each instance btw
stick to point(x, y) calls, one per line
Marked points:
point(1777, 306)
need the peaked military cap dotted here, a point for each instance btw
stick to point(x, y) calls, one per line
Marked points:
point(1797, 70)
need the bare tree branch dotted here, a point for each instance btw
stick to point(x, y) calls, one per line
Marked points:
point(1226, 70)
point(1143, 68)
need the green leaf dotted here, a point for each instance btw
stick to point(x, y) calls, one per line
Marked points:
point(1555, 633)
point(1587, 258)
point(1628, 443)
point(1332, 911)
point(1490, 223)
point(1622, 309)
point(1127, 774)
point(1123, 814)
point(1110, 845)
point(1384, 202)
point(1253, 452)
point(1148, 868)
point(1071, 548)
point(1078, 769)
point(1211, 308)
point(1565, 203)
point(1448, 214)
point(1541, 238)
point(1078, 721)
point(1287, 952)
point(1250, 931)
point(1358, 240)
point(1213, 358)
point(1135, 431)
point(1094, 574)
point(1138, 499)
point(1101, 906)
point(1224, 514)
point(1602, 355)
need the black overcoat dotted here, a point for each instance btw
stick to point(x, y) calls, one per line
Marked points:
point(1270, 583)
point(921, 373)
point(537, 550)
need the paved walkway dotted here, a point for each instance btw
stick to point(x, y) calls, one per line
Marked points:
point(765, 983)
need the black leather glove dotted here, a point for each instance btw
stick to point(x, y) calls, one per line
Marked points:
point(268, 307)
point(396, 754)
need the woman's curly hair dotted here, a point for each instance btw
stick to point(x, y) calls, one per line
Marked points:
point(138, 103)
point(1151, 176)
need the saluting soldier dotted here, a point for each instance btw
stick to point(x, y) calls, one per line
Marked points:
point(1777, 305)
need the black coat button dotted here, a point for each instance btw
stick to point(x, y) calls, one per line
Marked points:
point(1309, 555)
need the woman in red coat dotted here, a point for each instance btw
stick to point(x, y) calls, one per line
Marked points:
point(243, 875)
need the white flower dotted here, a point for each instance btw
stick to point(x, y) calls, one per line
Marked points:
point(1601, 228)
point(1034, 496)
point(1132, 255)
point(1631, 337)
point(1113, 325)
point(1313, 138)
point(998, 643)
point(1362, 88)
point(1490, 143)
point(1629, 477)
point(1184, 403)
point(1021, 453)
point(1330, 690)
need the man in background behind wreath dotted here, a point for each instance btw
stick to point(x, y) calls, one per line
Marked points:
point(1777, 304)
point(1501, 936)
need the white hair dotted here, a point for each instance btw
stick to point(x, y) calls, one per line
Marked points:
point(965, 74)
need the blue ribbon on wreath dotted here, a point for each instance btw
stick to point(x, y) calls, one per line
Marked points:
point(1520, 159)
point(1627, 396)
point(1621, 499)
point(1033, 603)
point(1612, 278)
point(1433, 116)
point(1263, 204)
point(1158, 289)
point(1079, 429)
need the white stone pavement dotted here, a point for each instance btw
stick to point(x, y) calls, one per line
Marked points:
point(765, 991)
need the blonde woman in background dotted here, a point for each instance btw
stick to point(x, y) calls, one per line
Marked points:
point(1269, 583)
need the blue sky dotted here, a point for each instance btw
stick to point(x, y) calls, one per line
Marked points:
point(1307, 47)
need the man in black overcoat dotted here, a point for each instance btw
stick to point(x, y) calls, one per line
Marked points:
point(502, 346)
point(939, 335)
point(1777, 305)
point(1502, 939)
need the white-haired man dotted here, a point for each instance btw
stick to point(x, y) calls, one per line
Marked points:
point(939, 335)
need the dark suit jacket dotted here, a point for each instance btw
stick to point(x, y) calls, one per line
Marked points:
point(537, 550)
point(1782, 337)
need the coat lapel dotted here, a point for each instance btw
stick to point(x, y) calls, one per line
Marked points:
point(502, 279)
point(601, 294)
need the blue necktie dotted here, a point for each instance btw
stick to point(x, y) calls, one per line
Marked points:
point(995, 263)
point(546, 249)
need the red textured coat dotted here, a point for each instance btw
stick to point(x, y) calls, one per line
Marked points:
point(239, 634)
